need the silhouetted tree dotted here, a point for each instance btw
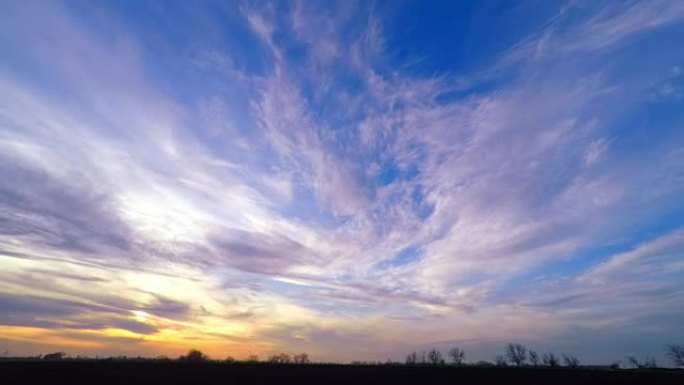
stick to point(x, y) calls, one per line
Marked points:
point(253, 358)
point(273, 359)
point(230, 360)
point(412, 358)
point(301, 358)
point(570, 360)
point(516, 353)
point(194, 355)
point(500, 361)
point(676, 354)
point(649, 362)
point(54, 356)
point(423, 359)
point(534, 358)
point(282, 358)
point(457, 356)
point(435, 357)
point(551, 360)
point(633, 361)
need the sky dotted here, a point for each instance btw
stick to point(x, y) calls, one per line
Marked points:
point(355, 180)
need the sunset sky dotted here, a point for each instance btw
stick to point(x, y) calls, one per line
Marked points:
point(355, 180)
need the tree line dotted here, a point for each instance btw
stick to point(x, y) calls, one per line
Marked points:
point(519, 355)
point(193, 355)
point(516, 355)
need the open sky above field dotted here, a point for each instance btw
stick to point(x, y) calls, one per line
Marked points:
point(355, 180)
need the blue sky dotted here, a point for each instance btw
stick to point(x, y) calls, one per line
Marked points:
point(352, 179)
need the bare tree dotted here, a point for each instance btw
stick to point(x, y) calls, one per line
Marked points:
point(412, 358)
point(570, 360)
point(500, 361)
point(551, 360)
point(457, 355)
point(633, 361)
point(301, 358)
point(253, 358)
point(649, 362)
point(534, 358)
point(516, 353)
point(282, 358)
point(435, 357)
point(676, 354)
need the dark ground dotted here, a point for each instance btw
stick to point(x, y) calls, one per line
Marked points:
point(148, 373)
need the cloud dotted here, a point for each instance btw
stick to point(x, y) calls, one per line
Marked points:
point(594, 151)
point(609, 27)
point(635, 290)
point(259, 252)
point(53, 214)
point(53, 314)
point(640, 261)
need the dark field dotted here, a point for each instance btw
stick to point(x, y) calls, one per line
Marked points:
point(103, 372)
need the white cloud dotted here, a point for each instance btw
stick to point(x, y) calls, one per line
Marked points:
point(595, 150)
point(612, 25)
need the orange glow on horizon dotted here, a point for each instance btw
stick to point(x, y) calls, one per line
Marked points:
point(168, 342)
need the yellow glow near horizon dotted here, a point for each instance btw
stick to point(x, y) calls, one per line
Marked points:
point(44, 336)
point(166, 341)
point(219, 321)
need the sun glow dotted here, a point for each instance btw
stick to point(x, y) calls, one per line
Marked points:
point(141, 316)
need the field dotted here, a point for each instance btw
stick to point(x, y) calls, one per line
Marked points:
point(172, 372)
